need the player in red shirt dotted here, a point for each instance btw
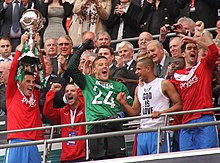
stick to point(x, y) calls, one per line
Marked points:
point(194, 84)
point(73, 112)
point(22, 112)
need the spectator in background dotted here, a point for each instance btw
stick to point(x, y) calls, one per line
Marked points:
point(5, 50)
point(177, 64)
point(4, 71)
point(199, 10)
point(100, 99)
point(194, 84)
point(108, 52)
point(152, 98)
point(65, 46)
point(175, 47)
point(103, 38)
point(218, 29)
point(122, 22)
point(10, 25)
point(184, 26)
point(143, 39)
point(55, 13)
point(89, 36)
point(72, 112)
point(88, 16)
point(51, 50)
point(22, 98)
point(126, 52)
point(86, 59)
point(161, 61)
point(156, 14)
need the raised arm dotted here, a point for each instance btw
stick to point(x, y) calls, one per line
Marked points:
point(49, 111)
point(72, 68)
point(12, 84)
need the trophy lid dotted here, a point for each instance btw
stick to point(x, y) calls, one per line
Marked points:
point(31, 19)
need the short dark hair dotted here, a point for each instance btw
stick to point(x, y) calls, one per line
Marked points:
point(106, 47)
point(147, 61)
point(96, 59)
point(28, 73)
point(183, 47)
point(5, 38)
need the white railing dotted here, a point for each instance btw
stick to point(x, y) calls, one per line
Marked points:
point(51, 140)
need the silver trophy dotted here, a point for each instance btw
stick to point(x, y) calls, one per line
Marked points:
point(31, 21)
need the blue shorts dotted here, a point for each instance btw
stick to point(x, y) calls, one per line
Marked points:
point(22, 154)
point(199, 137)
point(147, 143)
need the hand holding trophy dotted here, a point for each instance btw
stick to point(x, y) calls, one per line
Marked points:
point(31, 21)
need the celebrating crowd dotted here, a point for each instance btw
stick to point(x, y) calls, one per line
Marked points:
point(81, 76)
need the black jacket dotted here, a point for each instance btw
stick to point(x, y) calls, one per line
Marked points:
point(131, 27)
point(167, 12)
point(205, 10)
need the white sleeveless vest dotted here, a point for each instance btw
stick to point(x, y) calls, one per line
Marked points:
point(151, 99)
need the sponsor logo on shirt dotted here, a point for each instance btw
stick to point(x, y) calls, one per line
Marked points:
point(189, 83)
point(31, 102)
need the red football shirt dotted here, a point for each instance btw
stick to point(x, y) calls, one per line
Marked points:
point(195, 85)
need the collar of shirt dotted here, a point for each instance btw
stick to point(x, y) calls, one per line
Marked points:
point(19, 1)
point(129, 63)
point(9, 59)
point(163, 60)
point(110, 65)
point(46, 78)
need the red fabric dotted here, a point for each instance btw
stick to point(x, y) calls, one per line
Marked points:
point(62, 116)
point(21, 115)
point(177, 119)
point(68, 23)
point(196, 92)
point(192, 3)
point(134, 150)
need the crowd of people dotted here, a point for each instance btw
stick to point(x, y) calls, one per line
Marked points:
point(82, 77)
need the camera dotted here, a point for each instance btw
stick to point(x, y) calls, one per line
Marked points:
point(171, 28)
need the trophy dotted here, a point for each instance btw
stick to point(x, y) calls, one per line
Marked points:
point(31, 21)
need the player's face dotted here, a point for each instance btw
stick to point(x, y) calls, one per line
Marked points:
point(141, 71)
point(101, 69)
point(27, 85)
point(71, 94)
point(191, 54)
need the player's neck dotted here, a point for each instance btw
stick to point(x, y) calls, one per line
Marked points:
point(74, 105)
point(149, 79)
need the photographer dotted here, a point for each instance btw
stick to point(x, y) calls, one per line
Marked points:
point(184, 25)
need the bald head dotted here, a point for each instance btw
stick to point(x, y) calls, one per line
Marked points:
point(143, 39)
point(4, 71)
